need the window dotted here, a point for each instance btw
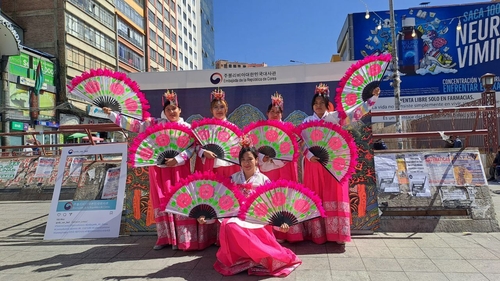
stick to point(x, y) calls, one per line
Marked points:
point(128, 11)
point(172, 21)
point(166, 14)
point(191, 64)
point(94, 9)
point(129, 57)
point(189, 22)
point(185, 46)
point(152, 53)
point(151, 16)
point(179, 24)
point(83, 61)
point(194, 41)
point(90, 35)
point(130, 34)
point(179, 11)
point(168, 65)
point(184, 16)
point(180, 40)
point(189, 8)
point(180, 56)
point(195, 55)
point(167, 31)
point(194, 28)
point(159, 6)
point(186, 61)
point(190, 37)
point(160, 42)
point(190, 50)
point(167, 48)
point(173, 37)
point(161, 60)
point(185, 31)
point(152, 35)
point(174, 53)
point(159, 24)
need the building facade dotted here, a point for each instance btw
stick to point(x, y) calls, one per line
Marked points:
point(207, 31)
point(123, 35)
point(234, 64)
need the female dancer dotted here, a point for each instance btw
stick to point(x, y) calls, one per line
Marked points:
point(336, 226)
point(272, 168)
point(256, 250)
point(181, 232)
point(206, 160)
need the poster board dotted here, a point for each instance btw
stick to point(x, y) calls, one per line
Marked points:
point(98, 218)
point(418, 171)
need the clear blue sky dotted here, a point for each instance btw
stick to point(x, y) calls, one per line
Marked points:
point(277, 31)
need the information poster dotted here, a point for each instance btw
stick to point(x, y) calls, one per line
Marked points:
point(417, 172)
point(71, 219)
point(468, 169)
point(8, 169)
point(45, 167)
point(76, 166)
point(387, 179)
point(110, 189)
point(417, 175)
point(440, 169)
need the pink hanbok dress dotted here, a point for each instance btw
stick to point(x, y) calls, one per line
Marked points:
point(180, 232)
point(250, 247)
point(336, 226)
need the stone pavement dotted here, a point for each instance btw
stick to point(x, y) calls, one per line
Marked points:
point(382, 256)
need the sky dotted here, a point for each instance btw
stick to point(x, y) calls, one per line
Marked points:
point(277, 31)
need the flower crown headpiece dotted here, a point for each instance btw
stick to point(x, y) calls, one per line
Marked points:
point(171, 97)
point(245, 141)
point(323, 90)
point(217, 94)
point(277, 100)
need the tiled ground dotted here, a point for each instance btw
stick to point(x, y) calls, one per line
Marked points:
point(382, 256)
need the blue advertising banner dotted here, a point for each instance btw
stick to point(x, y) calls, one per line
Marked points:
point(442, 51)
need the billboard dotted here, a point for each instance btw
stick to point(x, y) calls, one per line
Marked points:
point(442, 52)
point(248, 90)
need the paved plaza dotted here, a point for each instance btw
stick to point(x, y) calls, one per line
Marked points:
point(382, 256)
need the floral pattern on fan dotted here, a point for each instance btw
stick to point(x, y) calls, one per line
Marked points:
point(334, 147)
point(220, 137)
point(107, 88)
point(165, 140)
point(361, 77)
point(272, 138)
point(207, 194)
point(281, 202)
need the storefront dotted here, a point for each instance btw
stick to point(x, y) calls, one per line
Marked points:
point(26, 73)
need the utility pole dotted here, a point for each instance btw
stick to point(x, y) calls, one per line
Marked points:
point(395, 75)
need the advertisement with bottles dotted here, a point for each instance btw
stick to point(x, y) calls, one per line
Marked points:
point(442, 52)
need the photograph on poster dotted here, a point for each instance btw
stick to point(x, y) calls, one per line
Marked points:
point(95, 210)
point(95, 179)
point(386, 171)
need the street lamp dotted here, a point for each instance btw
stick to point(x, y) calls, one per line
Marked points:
point(490, 120)
point(487, 80)
point(395, 76)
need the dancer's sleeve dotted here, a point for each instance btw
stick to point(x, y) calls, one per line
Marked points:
point(184, 156)
point(356, 113)
point(269, 165)
point(130, 124)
